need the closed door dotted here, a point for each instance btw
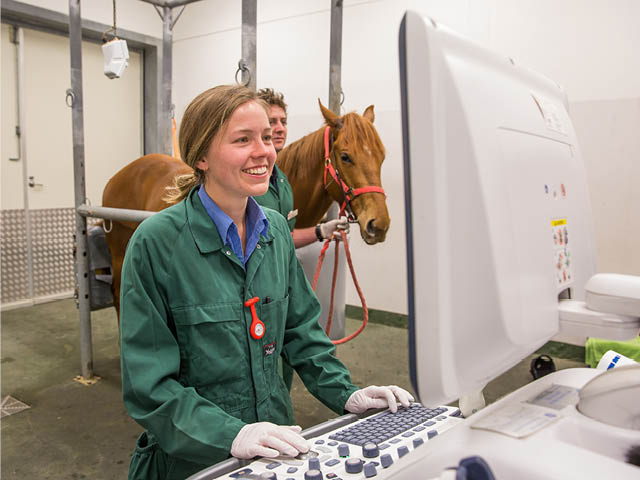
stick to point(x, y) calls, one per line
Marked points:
point(37, 262)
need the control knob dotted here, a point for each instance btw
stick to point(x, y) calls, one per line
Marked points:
point(343, 450)
point(386, 460)
point(370, 470)
point(314, 463)
point(353, 465)
point(370, 450)
point(313, 475)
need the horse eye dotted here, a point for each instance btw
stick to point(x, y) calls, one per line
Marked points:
point(345, 158)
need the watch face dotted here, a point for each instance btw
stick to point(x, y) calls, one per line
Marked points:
point(258, 329)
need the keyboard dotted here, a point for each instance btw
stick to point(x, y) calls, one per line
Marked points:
point(363, 449)
point(384, 426)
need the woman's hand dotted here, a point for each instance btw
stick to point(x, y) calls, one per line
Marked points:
point(264, 439)
point(378, 397)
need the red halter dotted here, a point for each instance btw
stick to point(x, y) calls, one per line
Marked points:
point(348, 192)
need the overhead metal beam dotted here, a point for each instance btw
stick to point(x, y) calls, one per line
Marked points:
point(170, 3)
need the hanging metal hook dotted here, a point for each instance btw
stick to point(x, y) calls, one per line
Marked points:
point(243, 67)
point(70, 95)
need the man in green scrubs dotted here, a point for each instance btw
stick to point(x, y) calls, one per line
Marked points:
point(279, 197)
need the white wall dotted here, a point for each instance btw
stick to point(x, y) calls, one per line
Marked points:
point(586, 46)
point(112, 121)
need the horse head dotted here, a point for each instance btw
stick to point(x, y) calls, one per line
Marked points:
point(356, 153)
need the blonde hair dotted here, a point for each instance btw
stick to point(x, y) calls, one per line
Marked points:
point(204, 118)
point(272, 97)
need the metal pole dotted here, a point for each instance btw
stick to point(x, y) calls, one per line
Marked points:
point(249, 22)
point(335, 72)
point(22, 146)
point(335, 91)
point(123, 214)
point(166, 107)
point(335, 57)
point(82, 257)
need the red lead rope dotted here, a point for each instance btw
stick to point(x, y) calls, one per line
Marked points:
point(328, 167)
point(365, 311)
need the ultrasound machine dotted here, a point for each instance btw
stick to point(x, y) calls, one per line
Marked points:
point(500, 249)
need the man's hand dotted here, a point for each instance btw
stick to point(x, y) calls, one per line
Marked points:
point(327, 229)
point(264, 439)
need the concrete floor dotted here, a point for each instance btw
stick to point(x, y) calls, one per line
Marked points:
point(74, 431)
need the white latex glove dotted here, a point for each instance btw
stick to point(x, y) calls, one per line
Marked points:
point(378, 397)
point(264, 439)
point(327, 229)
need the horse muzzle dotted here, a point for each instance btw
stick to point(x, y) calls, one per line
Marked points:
point(373, 229)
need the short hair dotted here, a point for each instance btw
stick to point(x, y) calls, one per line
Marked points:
point(272, 97)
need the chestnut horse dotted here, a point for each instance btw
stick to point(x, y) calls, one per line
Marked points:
point(356, 152)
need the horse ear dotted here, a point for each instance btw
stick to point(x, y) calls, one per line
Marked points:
point(368, 114)
point(331, 118)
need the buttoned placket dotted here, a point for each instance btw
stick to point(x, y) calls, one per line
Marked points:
point(256, 352)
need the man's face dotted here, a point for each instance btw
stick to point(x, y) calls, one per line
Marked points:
point(278, 122)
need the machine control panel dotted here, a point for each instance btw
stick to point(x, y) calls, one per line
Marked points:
point(361, 450)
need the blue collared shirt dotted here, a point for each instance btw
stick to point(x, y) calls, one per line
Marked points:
point(255, 223)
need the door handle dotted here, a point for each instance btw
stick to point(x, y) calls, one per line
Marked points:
point(33, 184)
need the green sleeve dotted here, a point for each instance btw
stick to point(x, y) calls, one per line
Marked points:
point(185, 424)
point(308, 349)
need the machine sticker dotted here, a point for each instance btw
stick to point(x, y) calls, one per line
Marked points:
point(561, 252)
point(518, 421)
point(556, 397)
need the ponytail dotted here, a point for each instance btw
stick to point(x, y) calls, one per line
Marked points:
point(182, 185)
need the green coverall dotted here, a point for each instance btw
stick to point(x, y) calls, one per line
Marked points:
point(191, 373)
point(281, 200)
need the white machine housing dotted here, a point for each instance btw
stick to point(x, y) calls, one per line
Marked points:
point(503, 230)
point(116, 57)
point(499, 244)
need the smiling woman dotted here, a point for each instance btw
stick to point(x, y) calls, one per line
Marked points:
point(212, 294)
point(240, 159)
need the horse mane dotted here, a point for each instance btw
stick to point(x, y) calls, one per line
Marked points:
point(299, 158)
